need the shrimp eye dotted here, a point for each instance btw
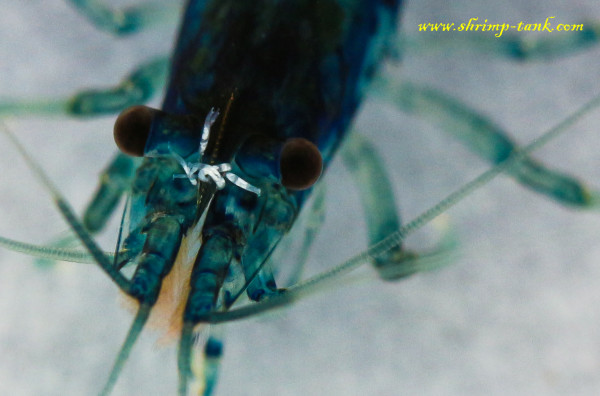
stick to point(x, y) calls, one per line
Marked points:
point(300, 164)
point(132, 129)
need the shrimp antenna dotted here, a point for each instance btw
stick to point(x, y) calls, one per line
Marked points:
point(50, 252)
point(135, 330)
point(69, 214)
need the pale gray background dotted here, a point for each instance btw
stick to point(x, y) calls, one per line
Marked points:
point(518, 313)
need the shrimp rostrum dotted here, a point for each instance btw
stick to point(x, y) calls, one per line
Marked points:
point(260, 96)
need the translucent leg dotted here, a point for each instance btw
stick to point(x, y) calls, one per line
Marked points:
point(314, 220)
point(510, 46)
point(127, 20)
point(114, 181)
point(138, 87)
point(258, 274)
point(482, 137)
point(376, 195)
point(379, 206)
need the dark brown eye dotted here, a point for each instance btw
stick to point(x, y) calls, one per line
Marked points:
point(300, 164)
point(132, 129)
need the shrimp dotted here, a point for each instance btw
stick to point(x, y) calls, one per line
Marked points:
point(503, 281)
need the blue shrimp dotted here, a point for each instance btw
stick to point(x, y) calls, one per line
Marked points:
point(262, 336)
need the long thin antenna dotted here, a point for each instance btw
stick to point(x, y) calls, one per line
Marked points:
point(68, 214)
point(50, 252)
point(132, 336)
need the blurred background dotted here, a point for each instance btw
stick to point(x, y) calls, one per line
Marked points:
point(516, 313)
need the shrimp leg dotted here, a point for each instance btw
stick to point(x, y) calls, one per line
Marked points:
point(379, 206)
point(114, 181)
point(128, 20)
point(136, 88)
point(482, 137)
point(312, 225)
